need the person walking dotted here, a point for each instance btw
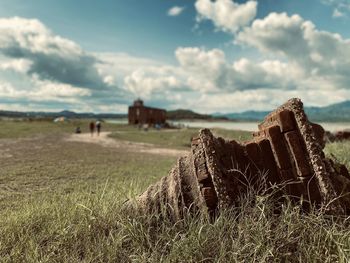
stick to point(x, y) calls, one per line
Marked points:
point(98, 127)
point(92, 128)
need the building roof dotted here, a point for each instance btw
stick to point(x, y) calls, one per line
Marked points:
point(139, 103)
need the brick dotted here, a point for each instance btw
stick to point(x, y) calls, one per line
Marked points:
point(254, 153)
point(239, 156)
point(287, 175)
point(209, 197)
point(269, 161)
point(202, 173)
point(294, 186)
point(279, 148)
point(227, 160)
point(255, 159)
point(286, 121)
point(287, 145)
point(298, 153)
point(200, 163)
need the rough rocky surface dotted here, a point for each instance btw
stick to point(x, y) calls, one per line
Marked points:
point(286, 151)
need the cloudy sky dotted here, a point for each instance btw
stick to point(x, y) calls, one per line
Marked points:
point(208, 56)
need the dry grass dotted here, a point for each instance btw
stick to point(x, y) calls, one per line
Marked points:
point(61, 202)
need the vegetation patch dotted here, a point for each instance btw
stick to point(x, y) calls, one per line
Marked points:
point(62, 202)
point(173, 138)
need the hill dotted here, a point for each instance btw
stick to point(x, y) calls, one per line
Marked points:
point(333, 113)
point(182, 114)
point(185, 114)
point(244, 116)
point(339, 112)
point(65, 113)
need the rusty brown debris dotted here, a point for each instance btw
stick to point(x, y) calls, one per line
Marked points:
point(286, 151)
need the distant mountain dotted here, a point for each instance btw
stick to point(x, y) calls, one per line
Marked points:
point(185, 114)
point(244, 116)
point(182, 114)
point(65, 113)
point(332, 113)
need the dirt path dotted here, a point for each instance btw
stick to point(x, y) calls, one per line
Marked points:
point(105, 141)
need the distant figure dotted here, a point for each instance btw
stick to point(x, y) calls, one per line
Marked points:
point(78, 130)
point(92, 128)
point(98, 127)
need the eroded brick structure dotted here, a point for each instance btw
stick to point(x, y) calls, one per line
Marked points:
point(140, 114)
point(286, 151)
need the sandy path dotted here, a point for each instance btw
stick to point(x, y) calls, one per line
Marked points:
point(106, 141)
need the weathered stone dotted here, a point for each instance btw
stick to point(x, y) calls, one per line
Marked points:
point(210, 197)
point(269, 162)
point(298, 154)
point(286, 151)
point(286, 120)
point(279, 147)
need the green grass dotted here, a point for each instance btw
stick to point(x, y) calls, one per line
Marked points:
point(19, 129)
point(91, 227)
point(339, 151)
point(172, 138)
point(61, 202)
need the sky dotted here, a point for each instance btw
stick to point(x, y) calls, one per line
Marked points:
point(204, 55)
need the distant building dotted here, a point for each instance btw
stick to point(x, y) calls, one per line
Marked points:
point(140, 114)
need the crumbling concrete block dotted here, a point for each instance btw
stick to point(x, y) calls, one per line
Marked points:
point(286, 151)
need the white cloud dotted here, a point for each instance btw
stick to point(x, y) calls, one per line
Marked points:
point(123, 62)
point(264, 99)
point(337, 13)
point(48, 90)
point(36, 50)
point(44, 95)
point(18, 65)
point(297, 60)
point(8, 91)
point(43, 91)
point(321, 55)
point(204, 67)
point(175, 10)
point(340, 7)
point(51, 70)
point(277, 33)
point(143, 84)
point(109, 80)
point(226, 15)
point(209, 71)
point(141, 76)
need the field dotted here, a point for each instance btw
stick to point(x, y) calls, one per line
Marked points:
point(61, 198)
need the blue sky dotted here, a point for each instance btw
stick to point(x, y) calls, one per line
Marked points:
point(205, 55)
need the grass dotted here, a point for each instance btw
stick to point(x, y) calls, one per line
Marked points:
point(173, 138)
point(12, 129)
point(61, 202)
point(81, 227)
point(339, 151)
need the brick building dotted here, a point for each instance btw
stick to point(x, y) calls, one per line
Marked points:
point(140, 114)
